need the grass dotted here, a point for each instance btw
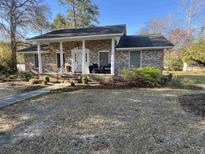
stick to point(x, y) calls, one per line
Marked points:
point(189, 77)
point(102, 121)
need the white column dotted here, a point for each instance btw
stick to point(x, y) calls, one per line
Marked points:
point(113, 57)
point(40, 70)
point(83, 57)
point(61, 58)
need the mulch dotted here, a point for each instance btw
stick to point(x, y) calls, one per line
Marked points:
point(194, 103)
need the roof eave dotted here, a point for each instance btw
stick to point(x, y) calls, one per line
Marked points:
point(27, 52)
point(76, 38)
point(144, 48)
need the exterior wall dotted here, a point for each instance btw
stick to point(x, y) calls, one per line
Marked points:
point(153, 58)
point(121, 60)
point(49, 60)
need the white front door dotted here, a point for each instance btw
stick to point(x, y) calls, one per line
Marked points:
point(77, 61)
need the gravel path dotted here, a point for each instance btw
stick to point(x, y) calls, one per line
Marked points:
point(102, 121)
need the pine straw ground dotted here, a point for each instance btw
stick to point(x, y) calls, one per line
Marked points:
point(102, 121)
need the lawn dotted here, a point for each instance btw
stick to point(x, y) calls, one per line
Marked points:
point(102, 121)
point(17, 87)
point(190, 77)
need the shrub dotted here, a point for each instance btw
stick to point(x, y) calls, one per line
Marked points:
point(72, 84)
point(148, 73)
point(84, 79)
point(177, 65)
point(25, 75)
point(46, 79)
point(34, 81)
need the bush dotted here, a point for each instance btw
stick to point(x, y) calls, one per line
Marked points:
point(25, 75)
point(84, 79)
point(177, 65)
point(148, 73)
point(34, 81)
point(46, 79)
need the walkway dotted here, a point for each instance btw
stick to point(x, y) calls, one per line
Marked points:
point(24, 96)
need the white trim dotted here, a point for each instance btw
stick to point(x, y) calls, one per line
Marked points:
point(73, 51)
point(99, 56)
point(40, 69)
point(34, 52)
point(61, 58)
point(140, 59)
point(145, 48)
point(77, 37)
point(113, 57)
point(83, 50)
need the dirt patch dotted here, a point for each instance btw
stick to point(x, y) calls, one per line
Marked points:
point(194, 104)
point(101, 121)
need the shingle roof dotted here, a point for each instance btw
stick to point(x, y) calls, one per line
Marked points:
point(103, 30)
point(34, 48)
point(151, 40)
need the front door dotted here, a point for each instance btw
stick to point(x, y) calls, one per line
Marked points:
point(77, 61)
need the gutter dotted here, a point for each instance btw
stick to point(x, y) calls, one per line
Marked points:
point(27, 52)
point(74, 38)
point(144, 48)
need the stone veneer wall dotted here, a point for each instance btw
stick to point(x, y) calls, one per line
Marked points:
point(49, 60)
point(153, 58)
point(121, 61)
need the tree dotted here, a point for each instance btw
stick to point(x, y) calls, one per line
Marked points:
point(194, 10)
point(17, 16)
point(178, 37)
point(88, 13)
point(80, 13)
point(195, 51)
point(59, 22)
point(158, 25)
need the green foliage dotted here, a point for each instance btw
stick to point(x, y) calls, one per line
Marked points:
point(177, 65)
point(148, 73)
point(59, 22)
point(84, 79)
point(5, 57)
point(195, 51)
point(46, 78)
point(80, 14)
point(25, 75)
point(173, 61)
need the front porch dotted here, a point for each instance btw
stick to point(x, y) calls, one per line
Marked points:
point(77, 57)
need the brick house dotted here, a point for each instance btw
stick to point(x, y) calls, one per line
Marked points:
point(97, 50)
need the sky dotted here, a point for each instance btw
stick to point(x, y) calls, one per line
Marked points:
point(133, 13)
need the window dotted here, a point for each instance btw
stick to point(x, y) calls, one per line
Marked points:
point(103, 58)
point(59, 61)
point(135, 59)
point(35, 60)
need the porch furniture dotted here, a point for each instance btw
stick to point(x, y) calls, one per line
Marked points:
point(101, 70)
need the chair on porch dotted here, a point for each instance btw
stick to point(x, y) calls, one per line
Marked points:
point(100, 70)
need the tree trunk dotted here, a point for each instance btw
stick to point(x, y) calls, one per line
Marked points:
point(200, 62)
point(13, 45)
